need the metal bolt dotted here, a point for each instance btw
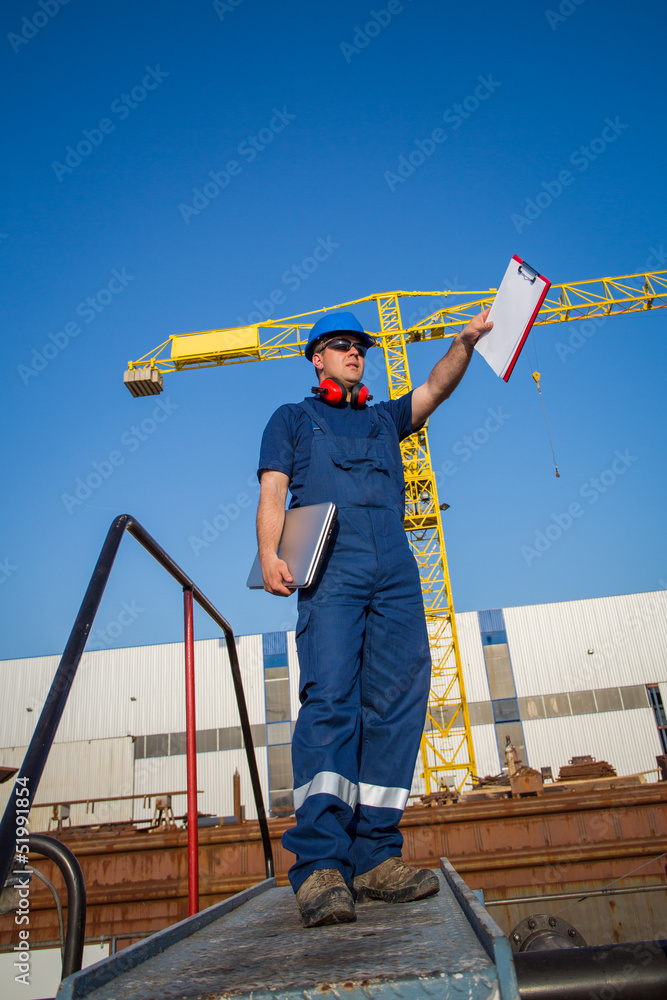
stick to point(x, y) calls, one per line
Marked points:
point(572, 932)
point(552, 921)
point(532, 925)
point(516, 938)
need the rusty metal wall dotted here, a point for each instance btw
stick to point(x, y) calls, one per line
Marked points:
point(561, 841)
point(635, 916)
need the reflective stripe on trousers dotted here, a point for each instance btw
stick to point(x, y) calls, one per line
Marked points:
point(329, 783)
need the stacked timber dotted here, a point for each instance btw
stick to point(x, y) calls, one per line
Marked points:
point(587, 770)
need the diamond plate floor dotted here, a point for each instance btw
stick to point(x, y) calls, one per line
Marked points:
point(261, 951)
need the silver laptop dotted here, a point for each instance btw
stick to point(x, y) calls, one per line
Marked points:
point(306, 532)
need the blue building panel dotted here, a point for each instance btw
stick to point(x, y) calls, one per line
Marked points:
point(274, 642)
point(491, 620)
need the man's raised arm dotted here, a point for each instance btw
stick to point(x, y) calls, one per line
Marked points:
point(449, 370)
point(270, 520)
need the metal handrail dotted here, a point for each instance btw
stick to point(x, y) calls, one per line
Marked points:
point(54, 706)
point(70, 869)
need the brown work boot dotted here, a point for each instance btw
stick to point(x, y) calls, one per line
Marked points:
point(395, 882)
point(324, 898)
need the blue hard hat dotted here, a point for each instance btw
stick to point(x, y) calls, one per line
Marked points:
point(334, 324)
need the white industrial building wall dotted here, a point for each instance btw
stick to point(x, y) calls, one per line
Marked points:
point(472, 657)
point(293, 663)
point(216, 701)
point(549, 643)
point(25, 684)
point(123, 690)
point(80, 770)
point(626, 740)
point(134, 691)
point(155, 775)
point(485, 746)
point(548, 646)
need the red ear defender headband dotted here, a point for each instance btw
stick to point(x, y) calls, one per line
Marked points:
point(332, 391)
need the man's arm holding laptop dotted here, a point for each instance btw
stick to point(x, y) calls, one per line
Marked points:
point(270, 521)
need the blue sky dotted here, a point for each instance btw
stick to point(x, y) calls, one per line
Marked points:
point(315, 104)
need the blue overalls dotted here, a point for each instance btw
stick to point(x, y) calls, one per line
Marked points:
point(364, 661)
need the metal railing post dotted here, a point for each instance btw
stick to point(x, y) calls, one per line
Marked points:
point(54, 706)
point(191, 750)
point(47, 724)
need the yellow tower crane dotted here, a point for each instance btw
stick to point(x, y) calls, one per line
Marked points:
point(446, 744)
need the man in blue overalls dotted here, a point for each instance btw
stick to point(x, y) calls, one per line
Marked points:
point(361, 634)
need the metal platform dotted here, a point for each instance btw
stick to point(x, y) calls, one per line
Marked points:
point(253, 945)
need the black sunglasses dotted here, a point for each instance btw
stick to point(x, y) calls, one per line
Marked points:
point(343, 344)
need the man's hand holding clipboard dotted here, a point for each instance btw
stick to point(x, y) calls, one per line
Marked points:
point(514, 310)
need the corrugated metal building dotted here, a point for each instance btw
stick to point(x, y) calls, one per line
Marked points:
point(573, 678)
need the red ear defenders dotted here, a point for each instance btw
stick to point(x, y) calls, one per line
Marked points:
point(332, 391)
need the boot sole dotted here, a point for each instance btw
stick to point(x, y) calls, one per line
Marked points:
point(343, 915)
point(407, 894)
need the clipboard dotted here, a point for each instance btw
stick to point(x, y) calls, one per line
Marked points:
point(514, 310)
point(303, 543)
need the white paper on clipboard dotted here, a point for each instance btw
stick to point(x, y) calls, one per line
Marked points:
point(514, 310)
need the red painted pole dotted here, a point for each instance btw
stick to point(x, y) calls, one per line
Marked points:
point(191, 752)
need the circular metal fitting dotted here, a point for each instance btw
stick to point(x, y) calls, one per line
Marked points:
point(542, 931)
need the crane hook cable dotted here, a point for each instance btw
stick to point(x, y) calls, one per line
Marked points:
point(536, 376)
